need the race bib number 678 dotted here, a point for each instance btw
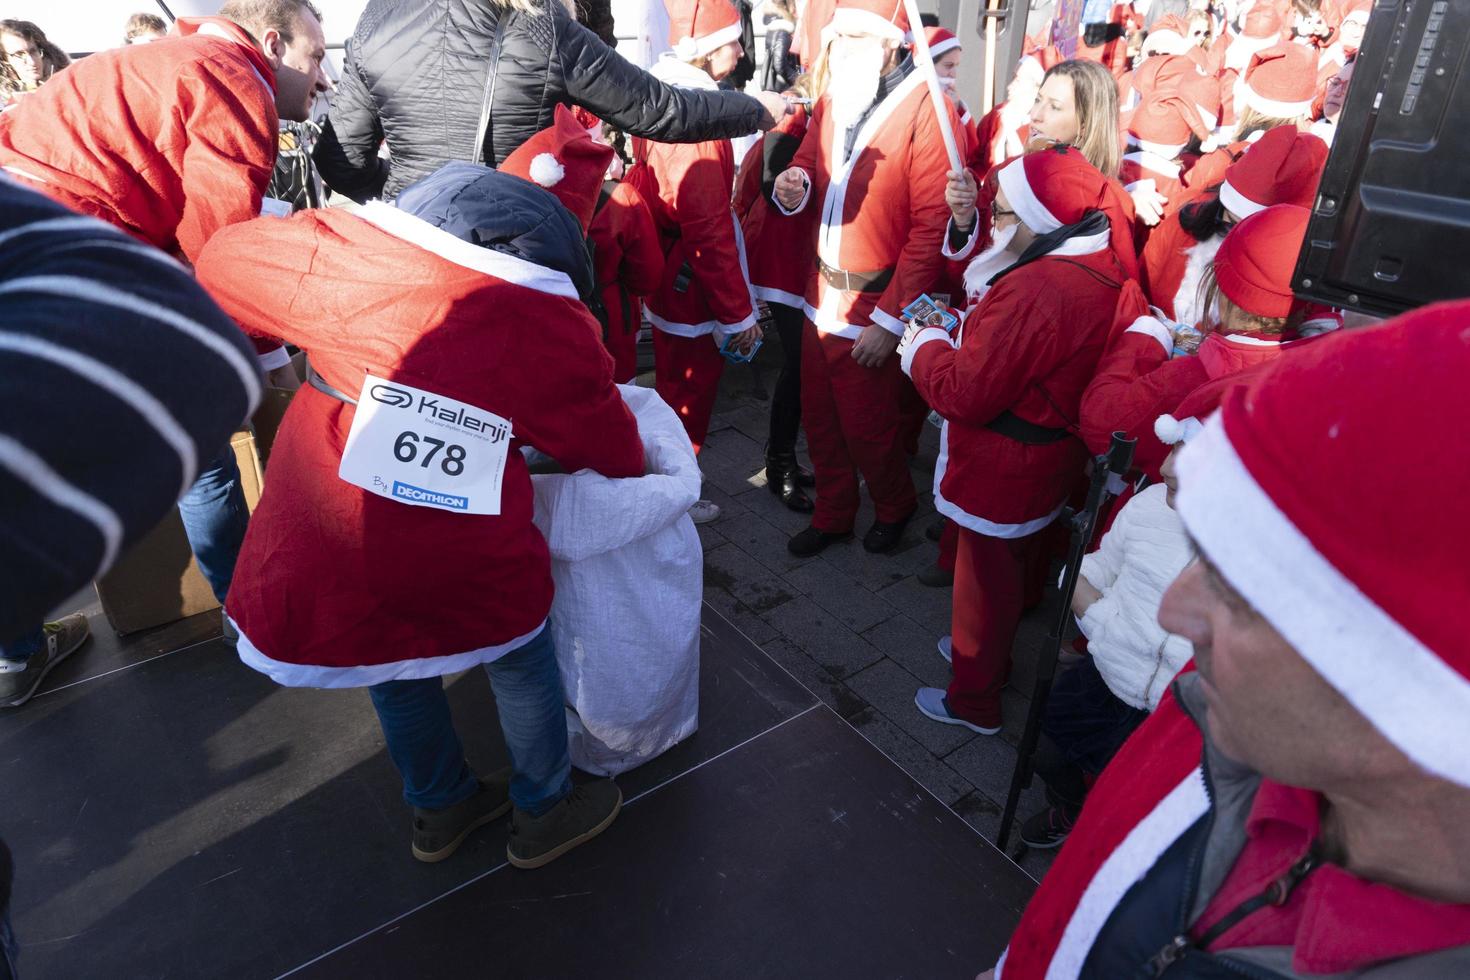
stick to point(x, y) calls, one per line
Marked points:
point(420, 448)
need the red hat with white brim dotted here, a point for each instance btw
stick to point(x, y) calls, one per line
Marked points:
point(700, 27)
point(1296, 492)
point(879, 18)
point(567, 161)
point(1281, 81)
point(1284, 166)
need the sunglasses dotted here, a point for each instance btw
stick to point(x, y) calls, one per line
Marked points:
point(997, 212)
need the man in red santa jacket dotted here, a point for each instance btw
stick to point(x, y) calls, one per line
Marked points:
point(394, 543)
point(873, 161)
point(170, 142)
point(1297, 807)
point(1008, 390)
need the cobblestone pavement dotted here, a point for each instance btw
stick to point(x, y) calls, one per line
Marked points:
point(859, 630)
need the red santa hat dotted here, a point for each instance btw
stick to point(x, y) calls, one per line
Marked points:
point(941, 41)
point(1167, 121)
point(1168, 35)
point(1262, 22)
point(1281, 81)
point(1056, 187)
point(880, 18)
point(1284, 166)
point(1255, 262)
point(567, 161)
point(698, 27)
point(1301, 488)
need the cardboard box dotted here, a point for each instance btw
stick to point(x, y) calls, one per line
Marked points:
point(157, 581)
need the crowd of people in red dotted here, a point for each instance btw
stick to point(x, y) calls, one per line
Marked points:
point(1110, 249)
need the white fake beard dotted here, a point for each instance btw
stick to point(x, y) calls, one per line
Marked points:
point(996, 258)
point(856, 68)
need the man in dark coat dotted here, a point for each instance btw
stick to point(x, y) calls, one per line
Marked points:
point(445, 80)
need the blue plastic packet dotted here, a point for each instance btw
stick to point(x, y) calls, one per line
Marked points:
point(734, 356)
point(926, 312)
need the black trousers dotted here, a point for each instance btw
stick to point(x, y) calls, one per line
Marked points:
point(786, 400)
point(1084, 727)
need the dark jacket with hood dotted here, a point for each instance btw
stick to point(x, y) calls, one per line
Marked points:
point(471, 80)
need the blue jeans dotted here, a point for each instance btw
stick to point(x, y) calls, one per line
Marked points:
point(425, 748)
point(25, 646)
point(215, 516)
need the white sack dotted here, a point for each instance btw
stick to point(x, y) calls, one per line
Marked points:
point(629, 574)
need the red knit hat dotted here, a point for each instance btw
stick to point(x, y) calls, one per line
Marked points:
point(881, 18)
point(566, 160)
point(1281, 81)
point(1057, 187)
point(1282, 167)
point(1315, 493)
point(697, 27)
point(1256, 260)
point(941, 41)
point(1167, 119)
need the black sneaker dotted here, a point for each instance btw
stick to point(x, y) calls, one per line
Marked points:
point(580, 816)
point(935, 530)
point(884, 535)
point(20, 679)
point(935, 577)
point(438, 833)
point(1049, 828)
point(809, 542)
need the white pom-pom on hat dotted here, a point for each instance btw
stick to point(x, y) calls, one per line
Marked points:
point(546, 170)
point(687, 49)
point(1172, 431)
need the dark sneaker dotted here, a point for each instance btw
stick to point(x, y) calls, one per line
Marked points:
point(580, 816)
point(935, 530)
point(1049, 828)
point(885, 535)
point(809, 542)
point(438, 833)
point(20, 679)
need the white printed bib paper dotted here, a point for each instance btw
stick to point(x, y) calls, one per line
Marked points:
point(419, 448)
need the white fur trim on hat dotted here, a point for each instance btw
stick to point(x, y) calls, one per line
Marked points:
point(1412, 696)
point(546, 170)
point(937, 51)
point(851, 20)
point(1274, 109)
point(694, 48)
point(1237, 203)
point(1023, 199)
point(1172, 431)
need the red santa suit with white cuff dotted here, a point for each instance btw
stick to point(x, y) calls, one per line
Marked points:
point(879, 189)
point(1141, 378)
point(1278, 492)
point(1009, 393)
point(344, 585)
point(704, 295)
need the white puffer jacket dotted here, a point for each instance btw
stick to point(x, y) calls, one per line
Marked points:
point(1141, 555)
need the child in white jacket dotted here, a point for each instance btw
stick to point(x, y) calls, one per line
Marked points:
point(1097, 704)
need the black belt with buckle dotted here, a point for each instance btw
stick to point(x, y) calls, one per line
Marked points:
point(855, 282)
point(1014, 427)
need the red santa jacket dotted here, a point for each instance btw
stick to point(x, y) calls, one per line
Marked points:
point(882, 207)
point(705, 288)
point(1026, 352)
point(169, 141)
point(337, 586)
point(628, 263)
point(781, 249)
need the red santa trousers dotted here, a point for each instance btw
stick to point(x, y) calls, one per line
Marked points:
point(854, 424)
point(990, 591)
point(687, 377)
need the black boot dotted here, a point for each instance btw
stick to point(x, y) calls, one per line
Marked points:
point(783, 478)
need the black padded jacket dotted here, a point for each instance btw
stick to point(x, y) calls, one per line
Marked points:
point(471, 80)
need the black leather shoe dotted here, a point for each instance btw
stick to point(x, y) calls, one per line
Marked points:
point(805, 477)
point(783, 479)
point(883, 536)
point(935, 577)
point(811, 541)
point(935, 531)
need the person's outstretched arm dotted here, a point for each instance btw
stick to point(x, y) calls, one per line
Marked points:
point(121, 376)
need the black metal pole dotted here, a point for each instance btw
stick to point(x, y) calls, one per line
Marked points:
point(1107, 482)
